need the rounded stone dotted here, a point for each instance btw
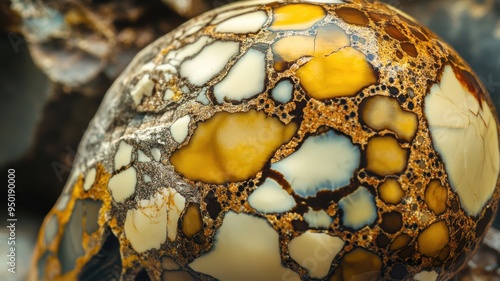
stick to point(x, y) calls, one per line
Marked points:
point(275, 140)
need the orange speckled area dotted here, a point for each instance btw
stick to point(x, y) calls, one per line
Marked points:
point(299, 107)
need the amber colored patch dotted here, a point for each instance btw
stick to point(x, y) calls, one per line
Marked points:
point(395, 33)
point(343, 73)
point(377, 17)
point(418, 34)
point(330, 38)
point(359, 264)
point(191, 221)
point(392, 222)
point(385, 157)
point(379, 113)
point(399, 242)
point(433, 239)
point(410, 49)
point(352, 16)
point(296, 16)
point(391, 192)
point(231, 147)
point(435, 197)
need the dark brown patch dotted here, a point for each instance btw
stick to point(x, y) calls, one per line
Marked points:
point(352, 16)
point(410, 49)
point(395, 33)
point(392, 222)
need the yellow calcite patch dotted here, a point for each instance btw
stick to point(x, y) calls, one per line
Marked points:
point(296, 16)
point(381, 113)
point(330, 38)
point(192, 222)
point(391, 192)
point(359, 264)
point(343, 73)
point(399, 242)
point(385, 156)
point(231, 147)
point(435, 197)
point(433, 239)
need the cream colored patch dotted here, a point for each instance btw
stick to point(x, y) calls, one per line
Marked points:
point(318, 219)
point(147, 225)
point(209, 62)
point(142, 157)
point(123, 155)
point(358, 209)
point(143, 88)
point(270, 197)
point(309, 169)
point(229, 13)
point(243, 24)
point(89, 179)
point(465, 135)
point(146, 178)
point(191, 49)
point(180, 128)
point(244, 80)
point(122, 185)
point(249, 248)
point(202, 97)
point(426, 276)
point(156, 153)
point(315, 252)
point(283, 91)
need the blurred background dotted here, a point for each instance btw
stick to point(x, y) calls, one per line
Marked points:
point(58, 58)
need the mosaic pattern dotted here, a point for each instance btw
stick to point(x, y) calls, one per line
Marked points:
point(324, 140)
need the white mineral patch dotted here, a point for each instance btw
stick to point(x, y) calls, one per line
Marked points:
point(142, 157)
point(180, 128)
point(270, 197)
point(143, 88)
point(156, 153)
point(426, 276)
point(229, 13)
point(202, 97)
point(191, 49)
point(283, 91)
point(324, 162)
point(168, 69)
point(315, 252)
point(123, 155)
point(89, 179)
point(243, 24)
point(169, 94)
point(358, 208)
point(464, 133)
point(245, 79)
point(249, 248)
point(318, 219)
point(122, 185)
point(147, 67)
point(148, 225)
point(209, 62)
point(146, 178)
